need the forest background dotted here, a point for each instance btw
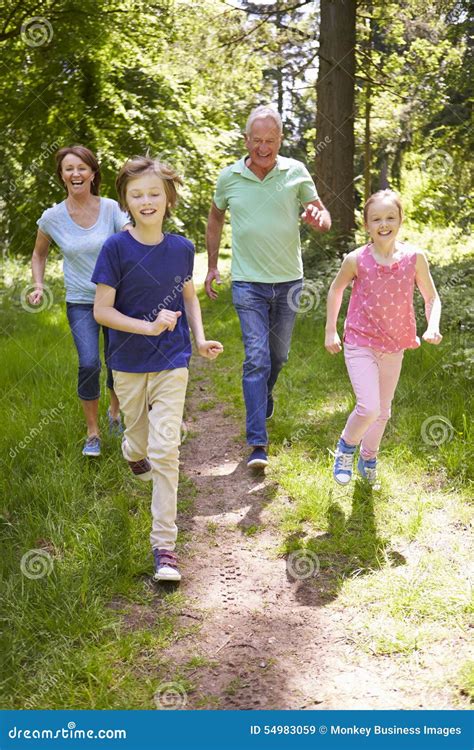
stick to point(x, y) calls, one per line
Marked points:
point(372, 95)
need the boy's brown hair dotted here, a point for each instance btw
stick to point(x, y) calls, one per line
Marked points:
point(139, 165)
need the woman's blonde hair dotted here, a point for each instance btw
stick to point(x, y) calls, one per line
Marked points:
point(139, 165)
point(390, 194)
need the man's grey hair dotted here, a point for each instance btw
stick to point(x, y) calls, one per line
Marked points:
point(263, 110)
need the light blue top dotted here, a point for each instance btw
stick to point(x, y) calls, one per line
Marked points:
point(81, 247)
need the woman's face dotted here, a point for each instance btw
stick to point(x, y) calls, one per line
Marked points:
point(77, 175)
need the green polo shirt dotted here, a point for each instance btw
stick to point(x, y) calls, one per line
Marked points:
point(265, 219)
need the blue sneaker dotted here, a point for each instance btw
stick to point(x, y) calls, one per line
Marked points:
point(270, 407)
point(91, 446)
point(367, 468)
point(258, 458)
point(115, 425)
point(343, 459)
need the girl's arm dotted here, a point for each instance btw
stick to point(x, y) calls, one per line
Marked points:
point(427, 288)
point(209, 349)
point(347, 272)
point(38, 264)
point(106, 314)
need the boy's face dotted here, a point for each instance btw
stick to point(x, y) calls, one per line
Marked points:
point(146, 199)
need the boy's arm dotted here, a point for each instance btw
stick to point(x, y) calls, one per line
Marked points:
point(345, 275)
point(428, 291)
point(209, 349)
point(107, 315)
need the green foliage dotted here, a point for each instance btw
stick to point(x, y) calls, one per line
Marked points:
point(124, 79)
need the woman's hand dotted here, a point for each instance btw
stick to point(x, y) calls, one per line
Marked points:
point(332, 342)
point(166, 320)
point(210, 349)
point(36, 297)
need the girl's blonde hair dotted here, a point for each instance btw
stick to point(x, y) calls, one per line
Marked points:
point(390, 194)
point(139, 165)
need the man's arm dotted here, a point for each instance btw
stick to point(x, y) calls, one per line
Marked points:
point(215, 224)
point(317, 216)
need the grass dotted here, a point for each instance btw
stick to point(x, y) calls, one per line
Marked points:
point(395, 558)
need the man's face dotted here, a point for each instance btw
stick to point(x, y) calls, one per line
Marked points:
point(263, 143)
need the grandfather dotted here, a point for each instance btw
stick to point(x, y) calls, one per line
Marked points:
point(264, 192)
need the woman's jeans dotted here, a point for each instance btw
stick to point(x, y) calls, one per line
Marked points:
point(85, 331)
point(267, 315)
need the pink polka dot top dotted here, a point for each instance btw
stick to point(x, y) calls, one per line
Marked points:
point(381, 314)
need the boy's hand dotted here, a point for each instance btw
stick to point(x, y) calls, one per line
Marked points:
point(165, 321)
point(210, 349)
point(332, 343)
point(432, 337)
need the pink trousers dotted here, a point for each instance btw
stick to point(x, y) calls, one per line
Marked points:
point(374, 376)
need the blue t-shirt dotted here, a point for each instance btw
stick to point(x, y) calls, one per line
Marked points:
point(147, 279)
point(80, 247)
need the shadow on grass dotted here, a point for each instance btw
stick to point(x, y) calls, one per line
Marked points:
point(351, 547)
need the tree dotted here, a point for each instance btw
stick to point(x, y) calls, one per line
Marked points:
point(335, 111)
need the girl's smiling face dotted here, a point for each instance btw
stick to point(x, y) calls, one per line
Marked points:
point(76, 175)
point(383, 220)
point(146, 199)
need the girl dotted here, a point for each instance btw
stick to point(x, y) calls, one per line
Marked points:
point(145, 295)
point(79, 226)
point(380, 325)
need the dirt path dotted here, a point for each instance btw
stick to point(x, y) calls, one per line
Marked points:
point(267, 640)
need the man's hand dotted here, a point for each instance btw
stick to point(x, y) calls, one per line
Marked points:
point(332, 342)
point(210, 349)
point(212, 275)
point(432, 337)
point(166, 320)
point(316, 217)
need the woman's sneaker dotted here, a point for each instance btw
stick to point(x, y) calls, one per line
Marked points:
point(91, 446)
point(166, 565)
point(343, 460)
point(367, 468)
point(115, 424)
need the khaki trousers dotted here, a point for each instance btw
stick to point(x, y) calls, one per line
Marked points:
point(155, 432)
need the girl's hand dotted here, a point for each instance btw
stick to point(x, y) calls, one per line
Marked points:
point(35, 298)
point(432, 337)
point(332, 343)
point(165, 321)
point(210, 349)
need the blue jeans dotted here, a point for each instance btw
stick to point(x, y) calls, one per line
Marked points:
point(267, 315)
point(85, 332)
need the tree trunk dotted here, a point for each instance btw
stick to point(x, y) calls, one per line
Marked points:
point(335, 112)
